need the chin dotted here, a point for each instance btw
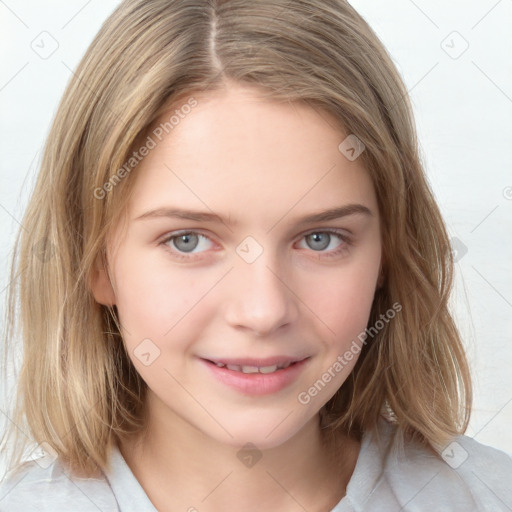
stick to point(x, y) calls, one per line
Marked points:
point(265, 430)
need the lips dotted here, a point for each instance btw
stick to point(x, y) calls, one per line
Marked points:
point(256, 376)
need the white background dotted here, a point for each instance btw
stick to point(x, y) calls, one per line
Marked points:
point(463, 109)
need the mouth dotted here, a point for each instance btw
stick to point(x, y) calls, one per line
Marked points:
point(257, 376)
point(256, 366)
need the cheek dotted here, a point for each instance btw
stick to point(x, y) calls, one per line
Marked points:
point(152, 298)
point(342, 312)
point(342, 301)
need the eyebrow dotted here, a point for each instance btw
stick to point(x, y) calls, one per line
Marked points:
point(323, 216)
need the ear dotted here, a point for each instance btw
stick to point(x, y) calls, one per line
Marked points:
point(100, 284)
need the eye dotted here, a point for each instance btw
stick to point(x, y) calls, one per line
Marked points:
point(185, 242)
point(318, 241)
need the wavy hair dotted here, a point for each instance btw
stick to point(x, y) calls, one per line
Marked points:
point(77, 389)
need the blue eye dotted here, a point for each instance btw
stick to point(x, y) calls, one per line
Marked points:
point(318, 241)
point(186, 241)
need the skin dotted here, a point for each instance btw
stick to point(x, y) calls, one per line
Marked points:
point(262, 164)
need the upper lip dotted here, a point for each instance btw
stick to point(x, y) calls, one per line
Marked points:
point(260, 363)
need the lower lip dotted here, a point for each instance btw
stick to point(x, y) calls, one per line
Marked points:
point(257, 383)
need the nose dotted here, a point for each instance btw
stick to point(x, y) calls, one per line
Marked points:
point(262, 298)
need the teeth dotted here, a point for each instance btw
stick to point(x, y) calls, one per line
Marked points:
point(250, 369)
point(254, 369)
point(268, 369)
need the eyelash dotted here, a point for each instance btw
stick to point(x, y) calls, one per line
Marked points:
point(343, 247)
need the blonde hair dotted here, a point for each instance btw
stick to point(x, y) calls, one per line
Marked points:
point(77, 388)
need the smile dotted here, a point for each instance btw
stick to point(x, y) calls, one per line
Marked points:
point(256, 377)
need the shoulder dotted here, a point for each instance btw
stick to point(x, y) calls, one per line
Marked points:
point(33, 486)
point(465, 475)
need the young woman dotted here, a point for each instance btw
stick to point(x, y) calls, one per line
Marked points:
point(234, 280)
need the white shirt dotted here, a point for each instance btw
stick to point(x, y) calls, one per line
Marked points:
point(467, 477)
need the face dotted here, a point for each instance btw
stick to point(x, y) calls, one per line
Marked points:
point(240, 317)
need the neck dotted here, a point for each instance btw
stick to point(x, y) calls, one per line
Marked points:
point(180, 468)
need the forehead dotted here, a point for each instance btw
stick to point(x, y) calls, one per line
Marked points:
point(251, 158)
